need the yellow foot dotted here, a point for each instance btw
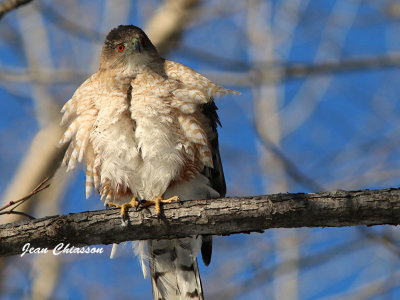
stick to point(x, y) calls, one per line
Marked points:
point(157, 203)
point(124, 208)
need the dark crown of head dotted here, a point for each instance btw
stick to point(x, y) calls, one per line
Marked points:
point(123, 31)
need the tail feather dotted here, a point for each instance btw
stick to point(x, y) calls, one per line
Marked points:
point(140, 250)
point(173, 265)
point(173, 268)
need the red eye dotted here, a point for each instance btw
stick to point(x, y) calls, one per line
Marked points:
point(121, 48)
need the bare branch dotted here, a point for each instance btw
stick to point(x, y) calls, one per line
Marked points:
point(262, 275)
point(42, 75)
point(274, 73)
point(213, 216)
point(16, 212)
point(9, 5)
point(17, 203)
point(36, 190)
point(169, 21)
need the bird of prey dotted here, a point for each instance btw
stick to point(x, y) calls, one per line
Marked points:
point(145, 129)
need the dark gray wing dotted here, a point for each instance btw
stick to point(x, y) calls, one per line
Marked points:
point(216, 174)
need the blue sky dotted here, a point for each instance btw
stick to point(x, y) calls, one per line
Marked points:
point(348, 139)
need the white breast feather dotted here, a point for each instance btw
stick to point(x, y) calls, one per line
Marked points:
point(141, 145)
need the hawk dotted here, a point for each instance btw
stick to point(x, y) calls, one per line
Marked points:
point(145, 128)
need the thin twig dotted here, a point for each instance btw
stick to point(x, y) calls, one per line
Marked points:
point(16, 212)
point(42, 186)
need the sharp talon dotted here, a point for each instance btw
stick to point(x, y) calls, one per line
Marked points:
point(138, 203)
point(112, 204)
point(157, 202)
point(124, 209)
point(125, 220)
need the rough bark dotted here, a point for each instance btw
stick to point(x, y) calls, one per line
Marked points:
point(218, 216)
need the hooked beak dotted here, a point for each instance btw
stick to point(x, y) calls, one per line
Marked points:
point(136, 45)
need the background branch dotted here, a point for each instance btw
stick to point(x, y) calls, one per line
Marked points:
point(274, 73)
point(9, 5)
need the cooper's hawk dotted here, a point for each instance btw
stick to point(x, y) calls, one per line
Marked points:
point(145, 128)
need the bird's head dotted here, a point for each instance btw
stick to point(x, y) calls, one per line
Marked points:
point(127, 46)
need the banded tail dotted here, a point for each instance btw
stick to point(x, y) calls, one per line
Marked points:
point(173, 268)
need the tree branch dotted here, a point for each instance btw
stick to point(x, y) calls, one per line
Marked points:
point(169, 21)
point(273, 73)
point(213, 216)
point(9, 5)
point(281, 72)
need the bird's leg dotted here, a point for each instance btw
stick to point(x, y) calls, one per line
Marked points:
point(157, 203)
point(125, 207)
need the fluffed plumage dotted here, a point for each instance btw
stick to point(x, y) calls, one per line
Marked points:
point(146, 127)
